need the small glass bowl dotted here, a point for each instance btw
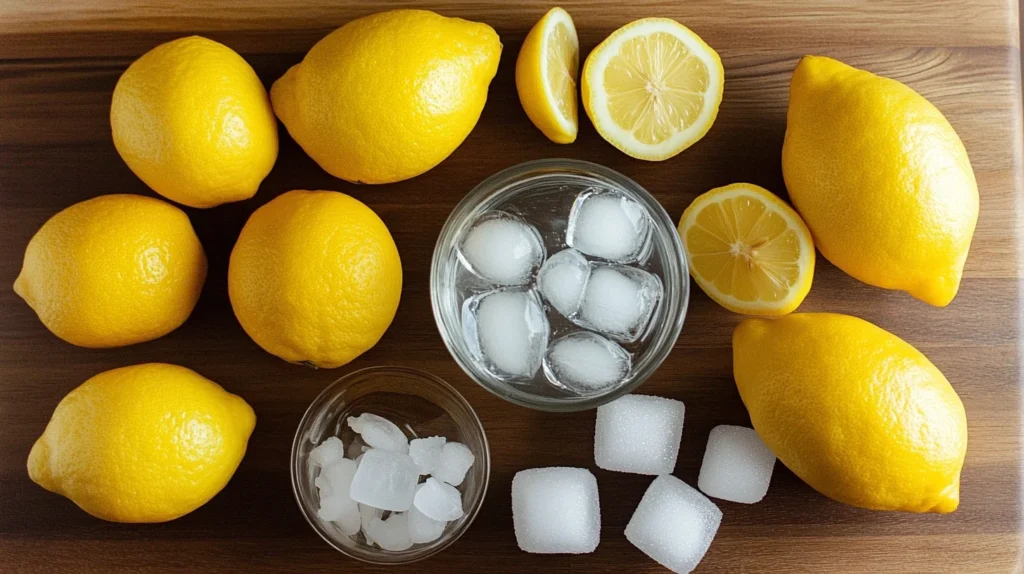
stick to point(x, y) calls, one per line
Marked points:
point(552, 185)
point(420, 404)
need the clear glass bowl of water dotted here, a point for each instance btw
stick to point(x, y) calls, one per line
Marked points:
point(422, 405)
point(542, 194)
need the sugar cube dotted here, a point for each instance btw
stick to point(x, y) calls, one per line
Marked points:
point(737, 465)
point(674, 524)
point(639, 434)
point(555, 510)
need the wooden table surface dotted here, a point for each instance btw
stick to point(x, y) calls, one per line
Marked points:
point(59, 62)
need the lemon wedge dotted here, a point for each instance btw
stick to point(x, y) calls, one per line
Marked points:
point(652, 88)
point(546, 73)
point(748, 250)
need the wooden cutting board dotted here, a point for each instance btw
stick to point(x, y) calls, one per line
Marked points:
point(59, 62)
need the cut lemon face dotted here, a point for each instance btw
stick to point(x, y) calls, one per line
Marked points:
point(546, 73)
point(748, 250)
point(652, 88)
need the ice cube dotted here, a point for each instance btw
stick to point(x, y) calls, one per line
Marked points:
point(618, 301)
point(609, 225)
point(426, 452)
point(456, 459)
point(368, 518)
point(330, 450)
point(386, 480)
point(555, 510)
point(340, 509)
point(336, 505)
point(379, 432)
point(422, 528)
point(507, 331)
point(737, 465)
point(674, 524)
point(561, 280)
point(393, 533)
point(502, 249)
point(638, 434)
point(438, 500)
point(585, 363)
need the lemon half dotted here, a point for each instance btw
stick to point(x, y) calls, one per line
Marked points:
point(652, 88)
point(748, 250)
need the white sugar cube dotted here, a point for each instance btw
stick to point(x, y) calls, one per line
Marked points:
point(422, 528)
point(379, 432)
point(330, 450)
point(555, 510)
point(737, 465)
point(426, 452)
point(438, 500)
point(456, 459)
point(639, 434)
point(674, 524)
point(386, 480)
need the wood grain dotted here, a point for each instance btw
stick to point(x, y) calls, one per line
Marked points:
point(59, 62)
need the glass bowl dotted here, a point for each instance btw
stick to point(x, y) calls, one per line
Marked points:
point(542, 193)
point(421, 405)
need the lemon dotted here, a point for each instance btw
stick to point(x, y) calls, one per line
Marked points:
point(113, 270)
point(315, 278)
point(389, 96)
point(146, 443)
point(193, 121)
point(748, 250)
point(881, 179)
point(546, 73)
point(652, 88)
point(853, 410)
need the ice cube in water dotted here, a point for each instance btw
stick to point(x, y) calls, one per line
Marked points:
point(456, 459)
point(674, 524)
point(561, 280)
point(737, 465)
point(426, 452)
point(502, 249)
point(507, 331)
point(438, 500)
point(608, 224)
point(555, 510)
point(618, 301)
point(585, 363)
point(638, 434)
point(379, 432)
point(386, 480)
point(422, 528)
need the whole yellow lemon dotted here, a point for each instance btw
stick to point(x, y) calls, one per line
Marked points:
point(315, 278)
point(113, 270)
point(146, 443)
point(193, 121)
point(853, 410)
point(389, 96)
point(881, 179)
